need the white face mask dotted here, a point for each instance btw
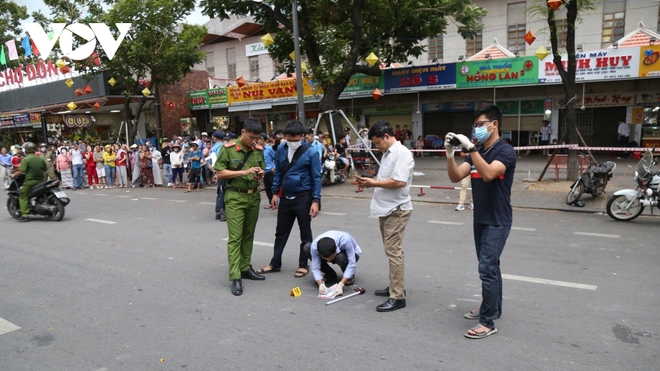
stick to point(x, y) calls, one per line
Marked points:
point(294, 145)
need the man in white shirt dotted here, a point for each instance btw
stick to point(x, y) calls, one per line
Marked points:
point(334, 247)
point(77, 166)
point(391, 204)
point(623, 134)
point(544, 134)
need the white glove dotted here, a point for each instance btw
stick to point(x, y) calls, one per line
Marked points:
point(449, 147)
point(339, 289)
point(465, 141)
point(322, 289)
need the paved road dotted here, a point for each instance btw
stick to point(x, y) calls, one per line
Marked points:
point(150, 292)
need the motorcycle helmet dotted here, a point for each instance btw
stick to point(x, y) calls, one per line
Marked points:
point(579, 203)
point(29, 147)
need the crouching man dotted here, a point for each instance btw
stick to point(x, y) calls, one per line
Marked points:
point(335, 247)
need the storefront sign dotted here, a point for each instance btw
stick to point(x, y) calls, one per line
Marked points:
point(601, 100)
point(649, 65)
point(6, 122)
point(646, 99)
point(308, 115)
point(604, 64)
point(22, 120)
point(273, 91)
point(30, 72)
point(509, 107)
point(77, 121)
point(217, 98)
point(448, 107)
point(198, 100)
point(638, 115)
point(532, 107)
point(362, 84)
point(35, 120)
point(255, 49)
point(498, 72)
point(433, 77)
point(387, 110)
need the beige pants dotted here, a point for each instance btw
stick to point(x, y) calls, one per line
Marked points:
point(465, 184)
point(391, 229)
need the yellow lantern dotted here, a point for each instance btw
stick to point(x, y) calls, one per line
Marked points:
point(371, 59)
point(146, 92)
point(267, 39)
point(112, 81)
point(69, 82)
point(292, 55)
point(542, 52)
point(60, 63)
point(303, 67)
point(72, 106)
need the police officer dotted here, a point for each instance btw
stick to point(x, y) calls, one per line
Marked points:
point(49, 157)
point(241, 165)
point(34, 169)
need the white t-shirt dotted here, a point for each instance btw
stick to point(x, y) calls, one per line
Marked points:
point(76, 157)
point(624, 129)
point(398, 164)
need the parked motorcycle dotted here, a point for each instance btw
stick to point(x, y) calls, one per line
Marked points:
point(331, 167)
point(592, 181)
point(628, 204)
point(45, 199)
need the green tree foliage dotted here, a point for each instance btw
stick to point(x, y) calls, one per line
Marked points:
point(336, 35)
point(11, 17)
point(155, 51)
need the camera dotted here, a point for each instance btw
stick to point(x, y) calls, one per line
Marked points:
point(455, 142)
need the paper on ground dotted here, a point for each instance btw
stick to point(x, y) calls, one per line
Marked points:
point(331, 293)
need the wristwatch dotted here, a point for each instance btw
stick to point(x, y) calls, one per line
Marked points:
point(473, 149)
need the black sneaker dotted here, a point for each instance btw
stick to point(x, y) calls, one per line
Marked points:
point(23, 218)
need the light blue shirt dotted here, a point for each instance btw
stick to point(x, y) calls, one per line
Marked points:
point(269, 157)
point(5, 159)
point(318, 147)
point(345, 242)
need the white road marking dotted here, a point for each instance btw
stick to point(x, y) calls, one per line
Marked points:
point(6, 326)
point(148, 198)
point(549, 282)
point(597, 234)
point(329, 213)
point(207, 203)
point(267, 244)
point(441, 222)
point(101, 194)
point(101, 221)
point(124, 196)
point(177, 200)
point(523, 229)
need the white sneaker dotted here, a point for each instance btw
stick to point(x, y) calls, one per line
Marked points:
point(471, 206)
point(169, 184)
point(460, 207)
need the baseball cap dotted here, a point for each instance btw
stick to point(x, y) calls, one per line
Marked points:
point(218, 134)
point(204, 134)
point(264, 136)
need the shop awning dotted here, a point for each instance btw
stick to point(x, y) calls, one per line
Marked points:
point(250, 107)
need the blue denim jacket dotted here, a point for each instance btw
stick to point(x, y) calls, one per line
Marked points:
point(305, 175)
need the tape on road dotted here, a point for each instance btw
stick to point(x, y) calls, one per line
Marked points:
point(597, 234)
point(441, 222)
point(549, 282)
point(101, 221)
point(267, 244)
point(6, 326)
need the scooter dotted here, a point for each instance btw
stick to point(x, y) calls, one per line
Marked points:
point(592, 181)
point(628, 204)
point(331, 167)
point(45, 199)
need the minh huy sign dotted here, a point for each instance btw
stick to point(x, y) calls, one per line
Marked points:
point(604, 64)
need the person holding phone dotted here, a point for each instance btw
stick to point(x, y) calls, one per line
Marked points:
point(241, 164)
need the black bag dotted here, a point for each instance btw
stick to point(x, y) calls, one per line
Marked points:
point(150, 164)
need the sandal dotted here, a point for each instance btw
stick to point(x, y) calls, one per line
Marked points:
point(473, 314)
point(187, 191)
point(300, 274)
point(480, 332)
point(270, 270)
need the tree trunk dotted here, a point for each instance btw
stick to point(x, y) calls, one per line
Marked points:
point(329, 102)
point(571, 135)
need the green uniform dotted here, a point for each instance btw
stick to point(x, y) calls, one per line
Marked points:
point(49, 157)
point(34, 169)
point(242, 199)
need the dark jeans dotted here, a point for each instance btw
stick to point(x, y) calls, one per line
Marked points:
point(268, 184)
point(623, 142)
point(287, 213)
point(77, 171)
point(220, 197)
point(340, 259)
point(489, 241)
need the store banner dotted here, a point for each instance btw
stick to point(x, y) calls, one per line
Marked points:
point(497, 72)
point(532, 107)
point(22, 120)
point(198, 100)
point(510, 107)
point(273, 91)
point(638, 115)
point(597, 65)
point(432, 77)
point(255, 49)
point(601, 100)
point(77, 121)
point(35, 118)
point(649, 61)
point(448, 107)
point(363, 84)
point(6, 122)
point(217, 98)
point(386, 110)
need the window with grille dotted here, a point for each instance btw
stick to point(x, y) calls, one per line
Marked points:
point(278, 68)
point(254, 67)
point(473, 45)
point(516, 25)
point(210, 63)
point(435, 48)
point(231, 63)
point(562, 30)
point(614, 25)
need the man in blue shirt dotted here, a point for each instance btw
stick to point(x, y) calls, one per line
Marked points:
point(194, 158)
point(297, 180)
point(5, 165)
point(217, 138)
point(335, 247)
point(269, 157)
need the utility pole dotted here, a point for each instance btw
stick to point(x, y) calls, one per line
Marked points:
point(299, 82)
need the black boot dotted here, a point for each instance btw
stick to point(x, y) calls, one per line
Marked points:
point(250, 274)
point(237, 287)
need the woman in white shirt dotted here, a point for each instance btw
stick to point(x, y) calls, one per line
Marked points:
point(176, 158)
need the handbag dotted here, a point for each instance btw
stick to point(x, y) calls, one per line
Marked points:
point(150, 164)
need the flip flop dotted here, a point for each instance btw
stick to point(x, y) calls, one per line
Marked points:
point(480, 332)
point(473, 314)
point(300, 274)
point(271, 270)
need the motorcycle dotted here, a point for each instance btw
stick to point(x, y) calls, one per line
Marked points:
point(44, 199)
point(331, 167)
point(592, 181)
point(628, 204)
